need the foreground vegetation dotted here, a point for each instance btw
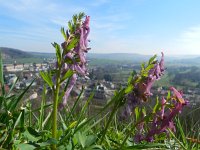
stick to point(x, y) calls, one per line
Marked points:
point(125, 122)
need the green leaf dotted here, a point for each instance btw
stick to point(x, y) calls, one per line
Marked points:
point(152, 59)
point(13, 104)
point(30, 137)
point(62, 122)
point(177, 140)
point(52, 141)
point(62, 30)
point(33, 132)
point(75, 17)
point(47, 119)
point(146, 146)
point(13, 85)
point(137, 114)
point(168, 95)
point(23, 119)
point(72, 44)
point(45, 76)
point(74, 106)
point(58, 52)
point(70, 26)
point(130, 78)
point(68, 74)
point(149, 67)
point(41, 113)
point(82, 139)
point(182, 134)
point(43, 144)
point(73, 124)
point(91, 139)
point(81, 15)
point(129, 89)
point(24, 146)
point(142, 66)
point(156, 107)
point(144, 111)
point(17, 121)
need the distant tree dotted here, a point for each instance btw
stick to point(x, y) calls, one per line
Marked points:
point(91, 74)
point(34, 64)
point(14, 64)
point(107, 77)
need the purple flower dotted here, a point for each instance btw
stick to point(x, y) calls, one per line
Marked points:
point(163, 120)
point(142, 89)
point(155, 73)
point(162, 111)
point(149, 84)
point(79, 67)
point(69, 88)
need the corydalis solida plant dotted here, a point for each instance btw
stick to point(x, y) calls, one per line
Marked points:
point(162, 117)
point(71, 62)
point(139, 85)
point(139, 90)
point(75, 59)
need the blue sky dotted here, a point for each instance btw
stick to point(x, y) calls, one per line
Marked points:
point(129, 26)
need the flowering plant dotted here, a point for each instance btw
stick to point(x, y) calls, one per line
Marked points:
point(162, 117)
point(71, 62)
point(160, 120)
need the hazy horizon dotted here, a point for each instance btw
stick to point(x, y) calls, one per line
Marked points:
point(110, 53)
point(132, 26)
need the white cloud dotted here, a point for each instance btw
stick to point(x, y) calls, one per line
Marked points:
point(37, 20)
point(189, 41)
point(191, 34)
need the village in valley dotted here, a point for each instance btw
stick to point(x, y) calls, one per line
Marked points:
point(102, 81)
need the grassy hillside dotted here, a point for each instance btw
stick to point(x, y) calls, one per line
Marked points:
point(10, 55)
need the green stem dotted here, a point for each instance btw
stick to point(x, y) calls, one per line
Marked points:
point(30, 116)
point(55, 109)
point(115, 108)
point(41, 119)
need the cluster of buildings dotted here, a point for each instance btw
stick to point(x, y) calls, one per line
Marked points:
point(24, 74)
point(103, 90)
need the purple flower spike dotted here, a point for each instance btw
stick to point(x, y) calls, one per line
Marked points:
point(69, 88)
point(178, 95)
point(149, 85)
point(79, 67)
point(142, 89)
point(162, 111)
point(164, 121)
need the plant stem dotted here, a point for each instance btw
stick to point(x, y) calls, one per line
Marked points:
point(30, 115)
point(55, 109)
point(41, 119)
point(115, 108)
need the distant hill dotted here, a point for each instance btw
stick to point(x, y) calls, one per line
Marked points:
point(43, 55)
point(11, 53)
point(119, 57)
point(138, 58)
point(192, 61)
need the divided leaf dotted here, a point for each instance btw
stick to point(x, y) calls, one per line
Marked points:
point(45, 76)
